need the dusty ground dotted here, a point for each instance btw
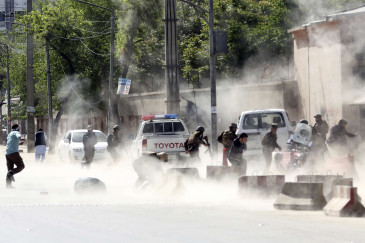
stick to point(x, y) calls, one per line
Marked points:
point(44, 208)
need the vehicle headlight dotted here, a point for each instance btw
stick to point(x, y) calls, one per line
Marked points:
point(77, 149)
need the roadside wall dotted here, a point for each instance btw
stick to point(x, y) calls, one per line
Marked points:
point(195, 104)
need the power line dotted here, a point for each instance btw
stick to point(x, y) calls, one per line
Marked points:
point(89, 31)
point(74, 91)
point(99, 54)
point(75, 38)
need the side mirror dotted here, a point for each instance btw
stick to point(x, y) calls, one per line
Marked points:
point(293, 123)
point(66, 140)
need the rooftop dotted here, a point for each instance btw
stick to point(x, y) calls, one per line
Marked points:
point(331, 17)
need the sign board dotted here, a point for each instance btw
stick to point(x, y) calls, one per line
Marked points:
point(30, 109)
point(220, 41)
point(213, 109)
point(123, 86)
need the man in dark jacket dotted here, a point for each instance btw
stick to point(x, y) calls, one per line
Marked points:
point(337, 138)
point(321, 126)
point(40, 145)
point(192, 144)
point(113, 142)
point(89, 140)
point(239, 145)
point(269, 143)
point(226, 138)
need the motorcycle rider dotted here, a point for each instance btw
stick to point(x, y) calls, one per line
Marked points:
point(269, 143)
point(321, 126)
point(226, 138)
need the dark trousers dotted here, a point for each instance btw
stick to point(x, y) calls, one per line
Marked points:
point(89, 155)
point(12, 160)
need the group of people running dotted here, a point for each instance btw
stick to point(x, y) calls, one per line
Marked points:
point(235, 144)
point(15, 162)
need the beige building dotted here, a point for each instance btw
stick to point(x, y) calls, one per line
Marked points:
point(329, 58)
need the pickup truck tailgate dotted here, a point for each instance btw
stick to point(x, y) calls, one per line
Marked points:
point(168, 144)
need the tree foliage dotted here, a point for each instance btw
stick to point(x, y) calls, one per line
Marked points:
point(79, 38)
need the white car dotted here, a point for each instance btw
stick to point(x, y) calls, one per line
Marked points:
point(72, 148)
point(258, 122)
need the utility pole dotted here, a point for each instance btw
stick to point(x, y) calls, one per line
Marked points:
point(50, 114)
point(9, 7)
point(171, 71)
point(111, 72)
point(30, 87)
point(8, 88)
point(213, 92)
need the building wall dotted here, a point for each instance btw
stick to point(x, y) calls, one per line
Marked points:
point(317, 56)
point(195, 104)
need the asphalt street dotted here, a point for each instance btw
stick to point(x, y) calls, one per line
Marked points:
point(44, 208)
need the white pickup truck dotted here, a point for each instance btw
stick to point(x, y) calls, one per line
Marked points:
point(161, 133)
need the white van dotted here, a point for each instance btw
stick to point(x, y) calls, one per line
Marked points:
point(258, 122)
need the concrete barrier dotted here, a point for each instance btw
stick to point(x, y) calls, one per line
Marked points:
point(327, 180)
point(345, 203)
point(342, 165)
point(271, 184)
point(225, 172)
point(188, 172)
point(89, 185)
point(301, 196)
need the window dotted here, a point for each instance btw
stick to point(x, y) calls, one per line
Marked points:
point(263, 120)
point(148, 128)
point(163, 127)
point(77, 137)
point(158, 127)
point(167, 127)
point(251, 121)
point(101, 136)
point(268, 118)
point(178, 127)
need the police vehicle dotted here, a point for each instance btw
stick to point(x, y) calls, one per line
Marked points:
point(161, 133)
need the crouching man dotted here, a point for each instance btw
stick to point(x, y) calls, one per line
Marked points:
point(149, 169)
point(12, 155)
point(239, 145)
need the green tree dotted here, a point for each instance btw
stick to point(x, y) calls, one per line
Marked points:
point(79, 37)
point(141, 42)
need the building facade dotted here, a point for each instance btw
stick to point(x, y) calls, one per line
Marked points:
point(329, 58)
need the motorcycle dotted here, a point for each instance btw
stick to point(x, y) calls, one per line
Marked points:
point(299, 145)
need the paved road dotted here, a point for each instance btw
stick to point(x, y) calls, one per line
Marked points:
point(44, 208)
